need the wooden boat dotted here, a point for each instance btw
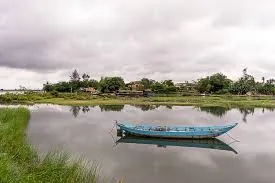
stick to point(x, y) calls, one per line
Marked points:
point(212, 143)
point(147, 130)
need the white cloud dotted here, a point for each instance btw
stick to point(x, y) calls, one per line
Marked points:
point(175, 39)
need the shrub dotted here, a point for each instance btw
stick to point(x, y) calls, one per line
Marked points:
point(54, 93)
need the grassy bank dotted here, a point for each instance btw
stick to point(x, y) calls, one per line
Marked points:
point(182, 101)
point(228, 101)
point(20, 163)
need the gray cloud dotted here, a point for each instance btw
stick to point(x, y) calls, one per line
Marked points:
point(162, 39)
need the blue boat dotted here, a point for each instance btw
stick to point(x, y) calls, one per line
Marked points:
point(192, 132)
point(212, 143)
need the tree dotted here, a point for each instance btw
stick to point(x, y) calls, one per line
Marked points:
point(64, 87)
point(47, 87)
point(271, 81)
point(93, 83)
point(203, 85)
point(216, 83)
point(146, 83)
point(245, 84)
point(168, 83)
point(75, 76)
point(85, 83)
point(85, 77)
point(157, 87)
point(22, 87)
point(267, 88)
point(170, 89)
point(245, 71)
point(111, 84)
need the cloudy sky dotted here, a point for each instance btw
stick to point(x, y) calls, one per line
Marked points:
point(44, 40)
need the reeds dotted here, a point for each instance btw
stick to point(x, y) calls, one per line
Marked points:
point(19, 162)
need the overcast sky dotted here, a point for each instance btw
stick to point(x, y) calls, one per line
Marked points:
point(44, 40)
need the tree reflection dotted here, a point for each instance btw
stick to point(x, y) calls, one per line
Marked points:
point(75, 110)
point(146, 107)
point(216, 111)
point(246, 112)
point(116, 108)
point(268, 109)
point(221, 111)
point(85, 109)
point(169, 106)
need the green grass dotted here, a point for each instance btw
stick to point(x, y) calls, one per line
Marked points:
point(19, 162)
point(235, 102)
point(229, 101)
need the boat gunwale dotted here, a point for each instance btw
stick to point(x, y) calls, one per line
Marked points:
point(171, 128)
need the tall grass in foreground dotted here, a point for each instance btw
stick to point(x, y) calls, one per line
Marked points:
point(20, 163)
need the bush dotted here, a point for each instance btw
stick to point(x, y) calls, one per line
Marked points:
point(222, 91)
point(22, 98)
point(54, 93)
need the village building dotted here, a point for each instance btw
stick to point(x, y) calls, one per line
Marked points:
point(90, 90)
point(135, 85)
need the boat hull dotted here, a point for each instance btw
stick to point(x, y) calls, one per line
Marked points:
point(181, 132)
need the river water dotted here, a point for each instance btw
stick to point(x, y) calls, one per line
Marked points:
point(86, 130)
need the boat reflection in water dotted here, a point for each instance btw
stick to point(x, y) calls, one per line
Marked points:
point(213, 143)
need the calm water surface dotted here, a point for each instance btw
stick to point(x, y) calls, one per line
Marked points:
point(85, 131)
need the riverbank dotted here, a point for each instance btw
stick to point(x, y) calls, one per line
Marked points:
point(181, 101)
point(19, 162)
point(227, 101)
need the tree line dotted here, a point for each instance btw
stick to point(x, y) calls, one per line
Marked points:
point(217, 83)
point(220, 84)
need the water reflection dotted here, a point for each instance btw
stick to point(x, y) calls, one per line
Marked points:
point(146, 107)
point(85, 109)
point(75, 110)
point(116, 108)
point(215, 111)
point(246, 112)
point(112, 108)
point(139, 160)
point(222, 111)
point(196, 143)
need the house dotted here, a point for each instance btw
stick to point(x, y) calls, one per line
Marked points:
point(90, 90)
point(134, 93)
point(186, 86)
point(135, 85)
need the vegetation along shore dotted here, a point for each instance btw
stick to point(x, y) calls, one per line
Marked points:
point(227, 101)
point(214, 90)
point(19, 162)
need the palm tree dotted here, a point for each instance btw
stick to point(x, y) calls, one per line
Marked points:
point(245, 71)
